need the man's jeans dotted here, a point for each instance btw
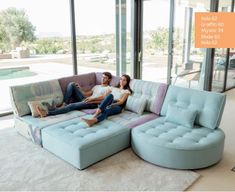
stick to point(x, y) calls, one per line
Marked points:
point(72, 89)
point(106, 109)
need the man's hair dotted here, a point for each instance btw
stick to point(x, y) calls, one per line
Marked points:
point(109, 75)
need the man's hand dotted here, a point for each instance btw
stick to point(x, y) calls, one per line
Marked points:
point(77, 85)
point(88, 100)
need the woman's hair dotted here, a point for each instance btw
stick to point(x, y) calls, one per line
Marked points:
point(127, 86)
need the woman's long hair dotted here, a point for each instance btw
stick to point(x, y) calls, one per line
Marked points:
point(127, 86)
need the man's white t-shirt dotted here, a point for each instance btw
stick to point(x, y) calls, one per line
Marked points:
point(118, 93)
point(99, 90)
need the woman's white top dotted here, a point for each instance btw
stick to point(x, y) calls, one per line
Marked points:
point(118, 93)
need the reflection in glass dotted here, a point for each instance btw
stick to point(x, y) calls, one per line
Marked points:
point(188, 61)
point(220, 57)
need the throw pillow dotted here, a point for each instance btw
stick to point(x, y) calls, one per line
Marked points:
point(45, 104)
point(136, 104)
point(182, 116)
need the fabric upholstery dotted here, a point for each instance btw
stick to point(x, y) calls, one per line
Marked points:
point(209, 105)
point(153, 92)
point(86, 81)
point(42, 104)
point(22, 94)
point(136, 104)
point(81, 146)
point(181, 116)
point(176, 146)
point(30, 127)
point(131, 119)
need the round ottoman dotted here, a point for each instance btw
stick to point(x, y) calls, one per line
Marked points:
point(178, 147)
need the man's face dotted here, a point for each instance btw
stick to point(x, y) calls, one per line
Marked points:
point(105, 79)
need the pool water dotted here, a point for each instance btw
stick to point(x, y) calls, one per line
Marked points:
point(17, 72)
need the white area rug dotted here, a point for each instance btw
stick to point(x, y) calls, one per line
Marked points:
point(25, 166)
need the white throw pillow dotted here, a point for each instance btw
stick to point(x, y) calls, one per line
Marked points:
point(136, 104)
point(45, 104)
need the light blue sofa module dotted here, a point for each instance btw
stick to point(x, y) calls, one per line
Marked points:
point(30, 127)
point(69, 138)
point(174, 145)
point(73, 142)
point(27, 125)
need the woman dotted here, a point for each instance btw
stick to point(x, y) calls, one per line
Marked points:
point(113, 103)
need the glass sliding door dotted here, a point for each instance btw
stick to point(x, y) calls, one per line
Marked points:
point(188, 61)
point(35, 43)
point(155, 40)
point(220, 58)
point(231, 68)
point(103, 35)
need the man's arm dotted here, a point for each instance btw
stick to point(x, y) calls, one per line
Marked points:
point(85, 93)
point(97, 99)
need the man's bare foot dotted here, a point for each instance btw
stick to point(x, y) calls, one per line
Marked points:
point(89, 122)
point(42, 112)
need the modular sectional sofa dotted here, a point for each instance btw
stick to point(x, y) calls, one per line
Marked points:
point(185, 139)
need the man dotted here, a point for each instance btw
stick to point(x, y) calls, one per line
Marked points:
point(85, 99)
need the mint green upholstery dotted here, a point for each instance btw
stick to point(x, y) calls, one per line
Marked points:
point(174, 146)
point(31, 127)
point(22, 94)
point(181, 116)
point(172, 143)
point(152, 92)
point(209, 105)
point(81, 146)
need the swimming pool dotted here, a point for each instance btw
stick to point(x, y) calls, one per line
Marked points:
point(16, 72)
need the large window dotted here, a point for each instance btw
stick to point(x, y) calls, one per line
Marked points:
point(103, 35)
point(220, 58)
point(188, 61)
point(35, 43)
point(155, 40)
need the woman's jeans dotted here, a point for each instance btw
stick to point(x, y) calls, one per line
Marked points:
point(106, 109)
point(72, 89)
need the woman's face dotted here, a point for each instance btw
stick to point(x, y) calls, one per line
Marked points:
point(123, 81)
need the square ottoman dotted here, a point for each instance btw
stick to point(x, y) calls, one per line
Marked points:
point(80, 145)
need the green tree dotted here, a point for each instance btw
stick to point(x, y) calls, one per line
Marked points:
point(159, 38)
point(15, 28)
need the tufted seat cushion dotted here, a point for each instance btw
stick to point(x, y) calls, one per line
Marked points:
point(176, 146)
point(81, 146)
point(30, 127)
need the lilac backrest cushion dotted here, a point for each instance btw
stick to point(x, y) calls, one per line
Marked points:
point(114, 82)
point(86, 81)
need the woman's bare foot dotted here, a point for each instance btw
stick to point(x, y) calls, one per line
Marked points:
point(42, 112)
point(89, 122)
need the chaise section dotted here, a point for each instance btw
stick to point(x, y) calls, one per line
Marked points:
point(81, 146)
point(170, 140)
